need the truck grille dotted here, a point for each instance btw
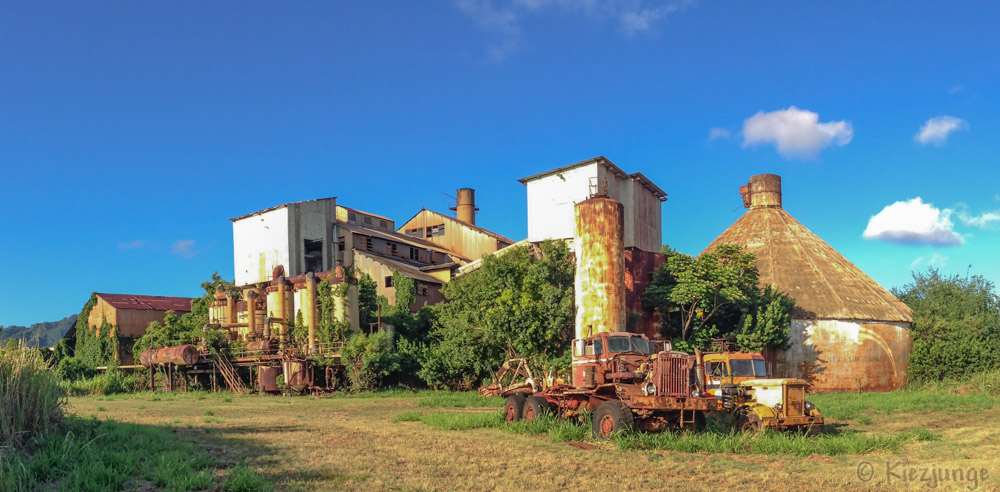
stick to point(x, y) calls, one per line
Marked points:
point(675, 375)
point(795, 401)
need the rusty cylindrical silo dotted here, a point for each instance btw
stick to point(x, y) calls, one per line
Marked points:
point(600, 267)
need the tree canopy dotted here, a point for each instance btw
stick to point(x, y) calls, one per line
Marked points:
point(717, 295)
point(956, 325)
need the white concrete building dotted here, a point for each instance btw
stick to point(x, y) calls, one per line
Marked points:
point(300, 236)
point(553, 194)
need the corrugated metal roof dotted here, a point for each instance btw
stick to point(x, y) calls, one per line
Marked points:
point(396, 237)
point(153, 303)
point(403, 267)
point(824, 284)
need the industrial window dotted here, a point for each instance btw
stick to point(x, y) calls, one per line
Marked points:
point(390, 249)
point(313, 255)
point(352, 218)
point(418, 232)
point(388, 281)
point(383, 224)
point(368, 220)
point(415, 254)
point(435, 230)
point(423, 290)
point(368, 243)
point(340, 243)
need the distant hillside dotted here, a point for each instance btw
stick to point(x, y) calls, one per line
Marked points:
point(45, 334)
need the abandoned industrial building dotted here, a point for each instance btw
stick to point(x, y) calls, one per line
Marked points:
point(847, 331)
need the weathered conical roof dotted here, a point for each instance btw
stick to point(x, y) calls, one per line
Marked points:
point(824, 284)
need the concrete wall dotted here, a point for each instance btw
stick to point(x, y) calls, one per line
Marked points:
point(260, 242)
point(551, 200)
point(837, 355)
point(277, 237)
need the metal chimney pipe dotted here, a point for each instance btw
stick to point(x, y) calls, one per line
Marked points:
point(763, 190)
point(465, 209)
point(251, 312)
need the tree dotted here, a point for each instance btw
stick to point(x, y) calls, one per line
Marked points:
point(956, 325)
point(717, 294)
point(515, 305)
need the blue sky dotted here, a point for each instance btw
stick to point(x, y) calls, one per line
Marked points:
point(131, 132)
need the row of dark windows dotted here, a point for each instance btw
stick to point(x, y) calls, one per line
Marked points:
point(430, 231)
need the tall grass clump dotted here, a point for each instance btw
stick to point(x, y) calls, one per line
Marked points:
point(31, 401)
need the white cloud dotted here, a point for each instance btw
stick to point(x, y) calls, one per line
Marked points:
point(913, 222)
point(183, 248)
point(795, 132)
point(715, 133)
point(502, 18)
point(937, 129)
point(982, 221)
point(935, 260)
point(138, 243)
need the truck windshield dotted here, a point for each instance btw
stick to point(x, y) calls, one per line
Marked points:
point(748, 368)
point(629, 344)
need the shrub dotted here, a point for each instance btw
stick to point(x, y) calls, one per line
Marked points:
point(73, 369)
point(368, 360)
point(31, 400)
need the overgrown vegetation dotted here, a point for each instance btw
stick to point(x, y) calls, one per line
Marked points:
point(515, 305)
point(716, 295)
point(956, 325)
point(31, 401)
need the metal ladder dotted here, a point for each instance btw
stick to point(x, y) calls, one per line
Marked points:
point(228, 372)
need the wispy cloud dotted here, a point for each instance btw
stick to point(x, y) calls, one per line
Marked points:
point(138, 243)
point(716, 133)
point(935, 260)
point(795, 132)
point(183, 248)
point(937, 129)
point(913, 222)
point(984, 220)
point(502, 18)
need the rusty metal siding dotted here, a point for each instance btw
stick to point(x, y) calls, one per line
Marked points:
point(639, 268)
point(468, 242)
point(600, 267)
point(836, 355)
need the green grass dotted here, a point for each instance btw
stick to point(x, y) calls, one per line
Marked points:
point(851, 406)
point(460, 400)
point(92, 455)
point(710, 441)
point(245, 479)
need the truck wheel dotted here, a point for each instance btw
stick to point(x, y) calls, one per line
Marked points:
point(610, 417)
point(514, 407)
point(699, 421)
point(748, 420)
point(533, 407)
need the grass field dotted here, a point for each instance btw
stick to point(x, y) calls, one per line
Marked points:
point(441, 441)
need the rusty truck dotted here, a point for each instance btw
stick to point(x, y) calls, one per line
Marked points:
point(626, 381)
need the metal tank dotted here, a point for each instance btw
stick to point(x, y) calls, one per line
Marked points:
point(180, 355)
point(599, 286)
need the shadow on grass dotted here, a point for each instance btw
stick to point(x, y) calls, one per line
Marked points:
point(87, 454)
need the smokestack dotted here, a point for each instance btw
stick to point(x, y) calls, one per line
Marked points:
point(310, 310)
point(763, 190)
point(465, 208)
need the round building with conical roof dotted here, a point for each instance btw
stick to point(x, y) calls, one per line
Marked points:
point(848, 332)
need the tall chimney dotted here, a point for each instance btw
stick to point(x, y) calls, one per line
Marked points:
point(763, 190)
point(465, 208)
